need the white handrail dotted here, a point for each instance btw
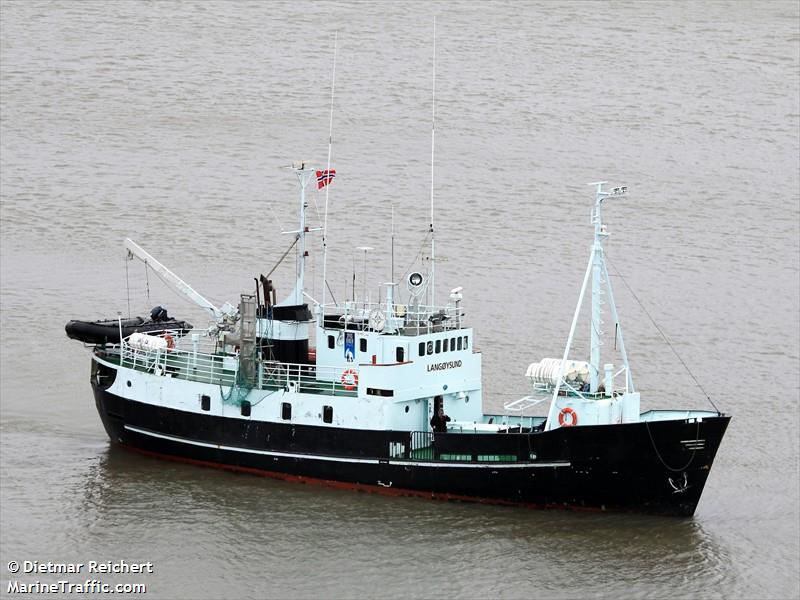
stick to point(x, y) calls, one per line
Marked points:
point(222, 369)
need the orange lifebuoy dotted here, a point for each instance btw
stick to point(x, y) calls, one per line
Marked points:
point(170, 341)
point(349, 379)
point(562, 417)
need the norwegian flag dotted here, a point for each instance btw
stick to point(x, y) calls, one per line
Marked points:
point(325, 177)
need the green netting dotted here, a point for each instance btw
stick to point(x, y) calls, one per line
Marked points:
point(240, 389)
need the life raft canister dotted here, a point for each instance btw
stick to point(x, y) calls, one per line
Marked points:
point(567, 417)
point(349, 379)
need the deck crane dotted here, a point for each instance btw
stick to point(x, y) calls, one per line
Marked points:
point(224, 317)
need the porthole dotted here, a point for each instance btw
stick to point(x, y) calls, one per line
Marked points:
point(407, 407)
point(129, 383)
point(466, 399)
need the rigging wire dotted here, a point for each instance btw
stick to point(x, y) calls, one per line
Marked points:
point(316, 208)
point(170, 287)
point(275, 216)
point(663, 335)
point(285, 254)
point(418, 255)
point(331, 291)
point(147, 280)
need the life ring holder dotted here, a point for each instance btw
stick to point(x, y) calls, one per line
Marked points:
point(562, 417)
point(350, 379)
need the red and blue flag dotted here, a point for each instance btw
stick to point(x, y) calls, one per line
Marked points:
point(325, 177)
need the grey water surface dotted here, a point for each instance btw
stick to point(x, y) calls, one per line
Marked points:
point(171, 122)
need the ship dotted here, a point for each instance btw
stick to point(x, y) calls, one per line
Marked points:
point(389, 399)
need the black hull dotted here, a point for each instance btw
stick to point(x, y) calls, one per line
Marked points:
point(657, 468)
point(107, 332)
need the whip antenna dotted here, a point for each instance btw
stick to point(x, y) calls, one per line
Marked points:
point(327, 187)
point(392, 278)
point(433, 136)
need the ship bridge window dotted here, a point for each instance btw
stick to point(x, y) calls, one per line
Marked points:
point(205, 402)
point(459, 343)
point(400, 354)
point(444, 345)
point(331, 342)
point(363, 344)
point(438, 346)
point(453, 344)
point(466, 342)
point(422, 348)
point(327, 414)
point(286, 411)
point(430, 348)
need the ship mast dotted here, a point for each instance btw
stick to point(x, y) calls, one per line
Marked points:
point(597, 291)
point(601, 279)
point(327, 187)
point(304, 175)
point(597, 271)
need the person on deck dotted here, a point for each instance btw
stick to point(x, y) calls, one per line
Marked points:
point(439, 421)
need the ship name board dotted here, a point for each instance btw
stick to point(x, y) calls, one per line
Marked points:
point(451, 364)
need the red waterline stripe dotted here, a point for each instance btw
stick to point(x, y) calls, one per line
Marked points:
point(361, 487)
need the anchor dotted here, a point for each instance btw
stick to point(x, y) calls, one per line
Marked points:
point(682, 485)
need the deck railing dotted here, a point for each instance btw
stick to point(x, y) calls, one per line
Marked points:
point(309, 378)
point(409, 319)
point(468, 447)
point(224, 369)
